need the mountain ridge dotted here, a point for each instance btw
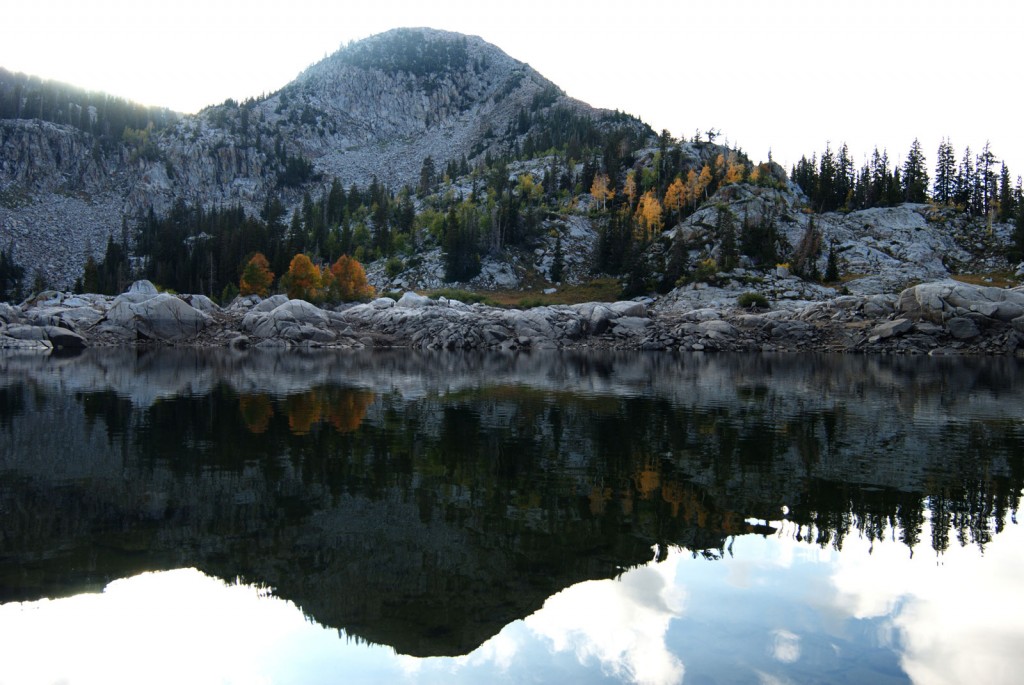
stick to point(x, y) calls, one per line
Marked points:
point(370, 111)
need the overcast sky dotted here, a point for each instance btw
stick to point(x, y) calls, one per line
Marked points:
point(789, 75)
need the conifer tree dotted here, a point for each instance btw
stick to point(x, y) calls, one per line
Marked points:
point(945, 173)
point(832, 265)
point(1007, 200)
point(844, 177)
point(986, 179)
point(557, 261)
point(825, 200)
point(915, 175)
point(964, 186)
point(725, 227)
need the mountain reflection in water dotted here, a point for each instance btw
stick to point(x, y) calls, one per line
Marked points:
point(427, 501)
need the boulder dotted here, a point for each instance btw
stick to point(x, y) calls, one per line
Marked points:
point(166, 317)
point(293, 320)
point(414, 301)
point(944, 299)
point(25, 332)
point(628, 308)
point(8, 314)
point(926, 301)
point(62, 338)
point(892, 328)
point(139, 291)
point(962, 328)
point(270, 304)
point(716, 327)
point(202, 303)
point(160, 317)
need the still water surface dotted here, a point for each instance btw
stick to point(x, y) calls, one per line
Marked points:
point(179, 516)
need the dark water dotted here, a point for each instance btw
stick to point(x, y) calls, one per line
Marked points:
point(181, 516)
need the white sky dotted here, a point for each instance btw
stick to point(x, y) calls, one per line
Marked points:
point(782, 74)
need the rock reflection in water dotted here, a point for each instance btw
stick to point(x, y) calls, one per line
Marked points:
point(425, 501)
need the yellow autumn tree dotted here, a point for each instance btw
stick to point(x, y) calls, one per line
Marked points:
point(348, 280)
point(691, 187)
point(256, 277)
point(302, 282)
point(648, 216)
point(630, 188)
point(675, 197)
point(735, 173)
point(720, 164)
point(600, 189)
point(703, 181)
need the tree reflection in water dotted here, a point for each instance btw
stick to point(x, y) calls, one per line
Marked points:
point(426, 501)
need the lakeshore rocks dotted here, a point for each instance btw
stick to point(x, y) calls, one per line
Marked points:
point(945, 317)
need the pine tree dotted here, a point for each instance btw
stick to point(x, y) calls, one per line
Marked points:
point(945, 173)
point(915, 175)
point(986, 179)
point(964, 187)
point(1017, 248)
point(725, 228)
point(844, 177)
point(826, 181)
point(832, 265)
point(1007, 204)
point(557, 261)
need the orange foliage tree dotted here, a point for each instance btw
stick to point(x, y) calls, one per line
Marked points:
point(648, 216)
point(735, 173)
point(256, 412)
point(630, 188)
point(304, 410)
point(302, 282)
point(600, 189)
point(347, 410)
point(676, 198)
point(256, 277)
point(347, 281)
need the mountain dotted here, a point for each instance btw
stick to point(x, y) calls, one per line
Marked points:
point(435, 159)
point(71, 176)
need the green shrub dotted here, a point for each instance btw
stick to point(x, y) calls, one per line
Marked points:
point(752, 301)
point(393, 267)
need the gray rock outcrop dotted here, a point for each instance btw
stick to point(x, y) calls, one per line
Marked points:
point(946, 317)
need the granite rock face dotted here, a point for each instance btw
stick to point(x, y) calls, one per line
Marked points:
point(375, 109)
point(946, 317)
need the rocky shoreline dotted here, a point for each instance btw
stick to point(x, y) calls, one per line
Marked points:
point(937, 318)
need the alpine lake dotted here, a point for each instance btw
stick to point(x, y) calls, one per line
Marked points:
point(195, 516)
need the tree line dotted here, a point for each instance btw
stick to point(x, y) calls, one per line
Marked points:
point(979, 184)
point(103, 116)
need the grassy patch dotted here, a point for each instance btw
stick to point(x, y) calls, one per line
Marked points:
point(998, 279)
point(599, 290)
point(467, 296)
